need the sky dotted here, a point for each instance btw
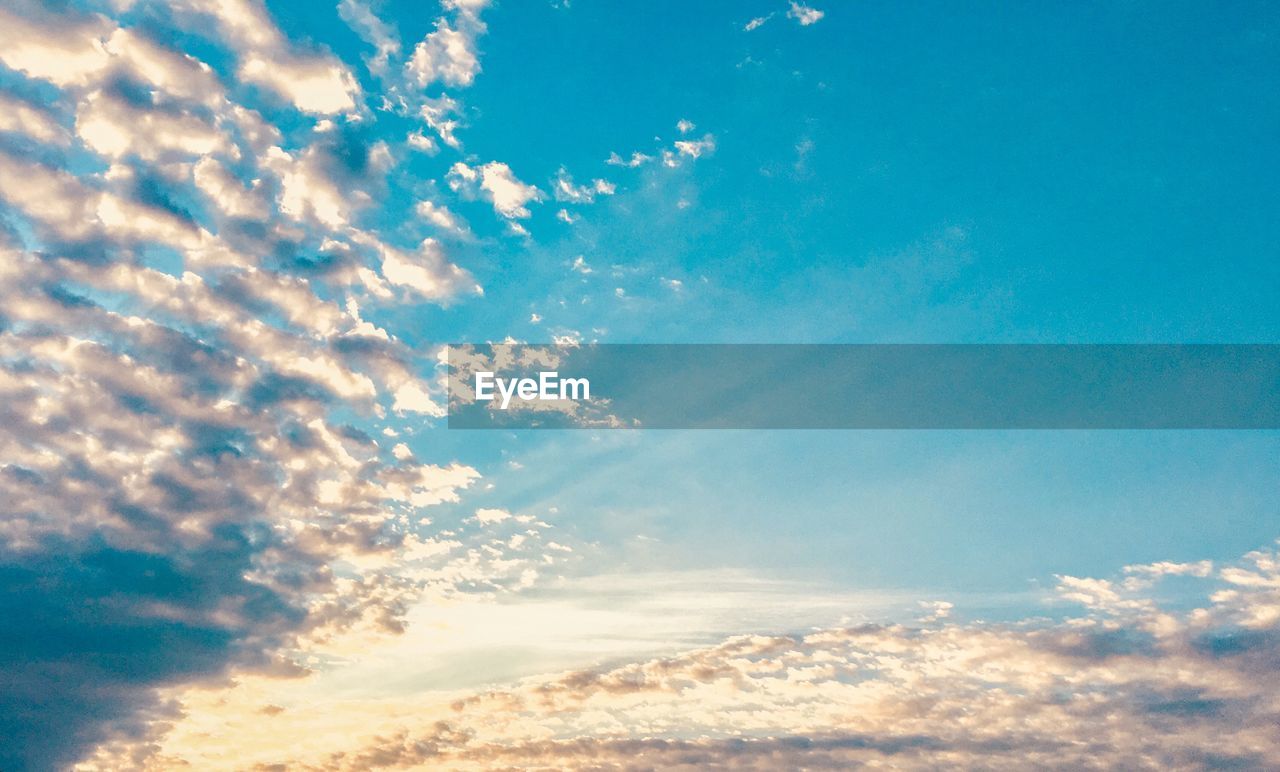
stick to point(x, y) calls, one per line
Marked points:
point(237, 534)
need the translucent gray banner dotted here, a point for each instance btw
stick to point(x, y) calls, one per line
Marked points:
point(926, 386)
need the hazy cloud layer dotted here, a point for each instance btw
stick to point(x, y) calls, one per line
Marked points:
point(1124, 682)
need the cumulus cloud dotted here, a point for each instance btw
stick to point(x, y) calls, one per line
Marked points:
point(448, 53)
point(313, 82)
point(426, 271)
point(19, 116)
point(496, 183)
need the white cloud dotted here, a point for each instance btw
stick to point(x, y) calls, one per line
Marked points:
point(113, 127)
point(441, 115)
point(427, 271)
point(756, 23)
point(564, 189)
point(227, 193)
point(695, 148)
point(685, 126)
point(312, 82)
point(373, 31)
point(491, 516)
point(1145, 687)
point(313, 85)
point(65, 50)
point(440, 216)
point(21, 117)
point(422, 143)
point(308, 191)
point(448, 53)
point(496, 183)
point(804, 15)
point(637, 159)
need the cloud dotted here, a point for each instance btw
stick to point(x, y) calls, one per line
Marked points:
point(756, 23)
point(442, 217)
point(21, 117)
point(1191, 686)
point(448, 54)
point(421, 142)
point(496, 183)
point(113, 127)
point(491, 516)
point(688, 148)
point(564, 189)
point(65, 50)
point(804, 15)
point(637, 159)
point(312, 82)
point(425, 271)
point(373, 31)
point(182, 357)
point(441, 115)
point(696, 148)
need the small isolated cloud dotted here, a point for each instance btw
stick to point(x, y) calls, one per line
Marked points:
point(496, 183)
point(566, 190)
point(637, 159)
point(804, 15)
point(684, 126)
point(756, 23)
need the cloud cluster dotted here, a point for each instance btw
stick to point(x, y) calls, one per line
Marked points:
point(189, 377)
point(1127, 683)
point(672, 156)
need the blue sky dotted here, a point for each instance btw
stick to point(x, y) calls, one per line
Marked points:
point(234, 236)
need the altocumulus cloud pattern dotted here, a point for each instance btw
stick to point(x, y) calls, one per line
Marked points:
point(211, 508)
